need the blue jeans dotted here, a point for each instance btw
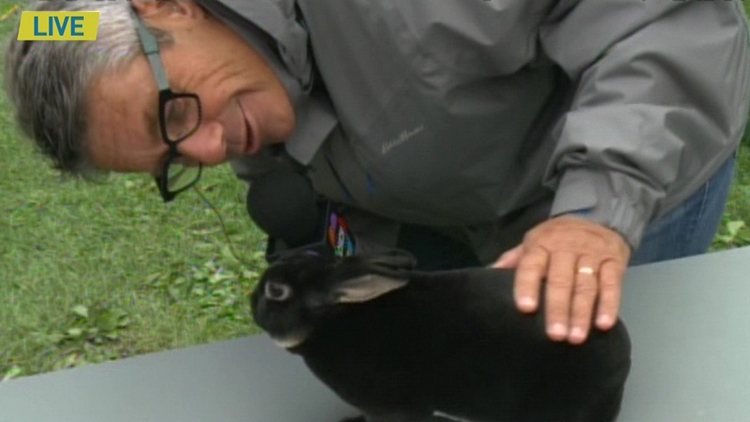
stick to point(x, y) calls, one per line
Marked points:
point(690, 228)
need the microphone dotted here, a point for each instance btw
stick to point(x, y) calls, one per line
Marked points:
point(285, 206)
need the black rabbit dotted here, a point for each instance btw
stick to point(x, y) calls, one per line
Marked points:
point(404, 345)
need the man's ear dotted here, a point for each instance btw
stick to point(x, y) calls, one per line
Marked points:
point(366, 287)
point(168, 13)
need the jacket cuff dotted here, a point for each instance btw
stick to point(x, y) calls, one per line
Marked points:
point(591, 194)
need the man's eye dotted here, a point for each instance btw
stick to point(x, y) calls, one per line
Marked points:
point(175, 113)
point(182, 116)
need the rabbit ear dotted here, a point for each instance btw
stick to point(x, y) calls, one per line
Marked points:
point(366, 287)
point(393, 260)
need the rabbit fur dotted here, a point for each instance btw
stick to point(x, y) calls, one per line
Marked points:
point(410, 346)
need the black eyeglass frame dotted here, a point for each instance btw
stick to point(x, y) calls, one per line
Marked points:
point(151, 50)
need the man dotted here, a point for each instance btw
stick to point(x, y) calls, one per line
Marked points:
point(565, 138)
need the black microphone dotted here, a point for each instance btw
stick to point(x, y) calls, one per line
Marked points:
point(285, 206)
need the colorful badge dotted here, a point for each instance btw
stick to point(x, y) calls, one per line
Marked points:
point(339, 237)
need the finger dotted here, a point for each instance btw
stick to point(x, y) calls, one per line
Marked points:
point(584, 299)
point(610, 292)
point(510, 258)
point(560, 278)
point(531, 269)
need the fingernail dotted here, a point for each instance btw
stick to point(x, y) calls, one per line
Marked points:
point(558, 331)
point(604, 321)
point(577, 334)
point(527, 303)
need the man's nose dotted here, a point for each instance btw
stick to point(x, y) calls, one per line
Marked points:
point(207, 145)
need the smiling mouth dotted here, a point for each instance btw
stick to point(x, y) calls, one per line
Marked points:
point(250, 139)
point(252, 145)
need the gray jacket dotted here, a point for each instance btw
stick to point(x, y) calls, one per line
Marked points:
point(483, 117)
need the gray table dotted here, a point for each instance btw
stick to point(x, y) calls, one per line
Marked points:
point(689, 320)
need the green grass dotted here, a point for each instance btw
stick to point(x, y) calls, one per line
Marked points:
point(735, 231)
point(94, 272)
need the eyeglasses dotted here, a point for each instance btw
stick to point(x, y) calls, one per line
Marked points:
point(179, 117)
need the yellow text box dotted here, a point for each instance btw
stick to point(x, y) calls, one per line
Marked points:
point(58, 26)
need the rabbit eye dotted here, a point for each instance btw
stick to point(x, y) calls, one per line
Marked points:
point(277, 292)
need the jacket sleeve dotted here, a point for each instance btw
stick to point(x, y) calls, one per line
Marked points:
point(660, 102)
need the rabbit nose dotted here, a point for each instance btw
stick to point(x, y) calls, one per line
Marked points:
point(277, 292)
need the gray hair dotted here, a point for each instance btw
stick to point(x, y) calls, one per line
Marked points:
point(48, 82)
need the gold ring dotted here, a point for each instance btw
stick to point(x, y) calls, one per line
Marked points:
point(586, 270)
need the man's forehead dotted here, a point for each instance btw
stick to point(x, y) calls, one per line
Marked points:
point(123, 119)
point(128, 90)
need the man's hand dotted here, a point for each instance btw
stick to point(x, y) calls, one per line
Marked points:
point(582, 262)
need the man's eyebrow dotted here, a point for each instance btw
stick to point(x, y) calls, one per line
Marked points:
point(152, 122)
point(152, 127)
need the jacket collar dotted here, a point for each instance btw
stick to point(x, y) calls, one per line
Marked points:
point(276, 21)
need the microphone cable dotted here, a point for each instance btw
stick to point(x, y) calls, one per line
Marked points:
point(223, 227)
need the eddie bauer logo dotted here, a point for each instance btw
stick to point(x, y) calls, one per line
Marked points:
point(58, 26)
point(400, 139)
